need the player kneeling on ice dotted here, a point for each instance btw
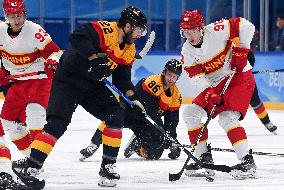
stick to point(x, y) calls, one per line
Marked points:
point(209, 57)
point(98, 49)
point(160, 98)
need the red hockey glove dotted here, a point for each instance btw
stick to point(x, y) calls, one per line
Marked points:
point(211, 97)
point(50, 67)
point(239, 58)
point(4, 77)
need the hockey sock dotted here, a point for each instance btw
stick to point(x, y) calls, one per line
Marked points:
point(261, 113)
point(238, 139)
point(42, 146)
point(194, 132)
point(111, 143)
point(4, 153)
point(2, 133)
point(33, 133)
point(23, 143)
point(97, 137)
point(201, 147)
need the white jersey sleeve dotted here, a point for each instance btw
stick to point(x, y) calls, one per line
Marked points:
point(246, 33)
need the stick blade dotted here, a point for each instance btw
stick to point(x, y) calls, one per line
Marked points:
point(174, 177)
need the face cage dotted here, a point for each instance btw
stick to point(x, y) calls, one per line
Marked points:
point(183, 31)
point(141, 29)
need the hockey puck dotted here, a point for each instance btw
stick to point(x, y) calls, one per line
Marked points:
point(209, 179)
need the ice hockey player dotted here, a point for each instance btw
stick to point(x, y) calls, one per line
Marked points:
point(209, 56)
point(98, 49)
point(26, 50)
point(258, 105)
point(161, 98)
point(255, 101)
point(6, 179)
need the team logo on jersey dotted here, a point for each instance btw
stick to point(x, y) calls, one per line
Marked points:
point(16, 59)
point(214, 64)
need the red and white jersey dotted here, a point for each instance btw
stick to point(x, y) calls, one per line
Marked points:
point(27, 52)
point(211, 62)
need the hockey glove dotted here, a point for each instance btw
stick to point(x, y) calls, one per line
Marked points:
point(4, 77)
point(139, 105)
point(239, 58)
point(211, 97)
point(50, 67)
point(99, 67)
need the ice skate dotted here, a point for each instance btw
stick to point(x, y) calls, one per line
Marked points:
point(246, 169)
point(175, 151)
point(8, 183)
point(271, 127)
point(194, 170)
point(28, 174)
point(131, 147)
point(108, 177)
point(88, 151)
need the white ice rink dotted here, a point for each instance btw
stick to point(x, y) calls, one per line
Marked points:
point(64, 171)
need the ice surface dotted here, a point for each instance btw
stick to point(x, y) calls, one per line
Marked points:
point(64, 171)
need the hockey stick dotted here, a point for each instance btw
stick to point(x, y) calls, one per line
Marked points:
point(253, 152)
point(147, 46)
point(222, 168)
point(268, 71)
point(174, 177)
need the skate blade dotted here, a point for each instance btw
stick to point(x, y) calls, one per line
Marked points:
point(241, 175)
point(274, 132)
point(199, 173)
point(82, 159)
point(104, 182)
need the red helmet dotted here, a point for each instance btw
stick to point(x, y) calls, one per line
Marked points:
point(191, 19)
point(14, 6)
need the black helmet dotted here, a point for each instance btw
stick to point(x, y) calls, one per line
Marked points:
point(174, 66)
point(133, 16)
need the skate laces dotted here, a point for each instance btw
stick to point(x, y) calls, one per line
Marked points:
point(110, 168)
point(22, 162)
point(174, 146)
point(26, 169)
point(33, 171)
point(91, 148)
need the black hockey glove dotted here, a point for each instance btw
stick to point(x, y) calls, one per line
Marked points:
point(99, 67)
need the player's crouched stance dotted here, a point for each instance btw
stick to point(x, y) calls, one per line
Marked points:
point(212, 66)
point(161, 99)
